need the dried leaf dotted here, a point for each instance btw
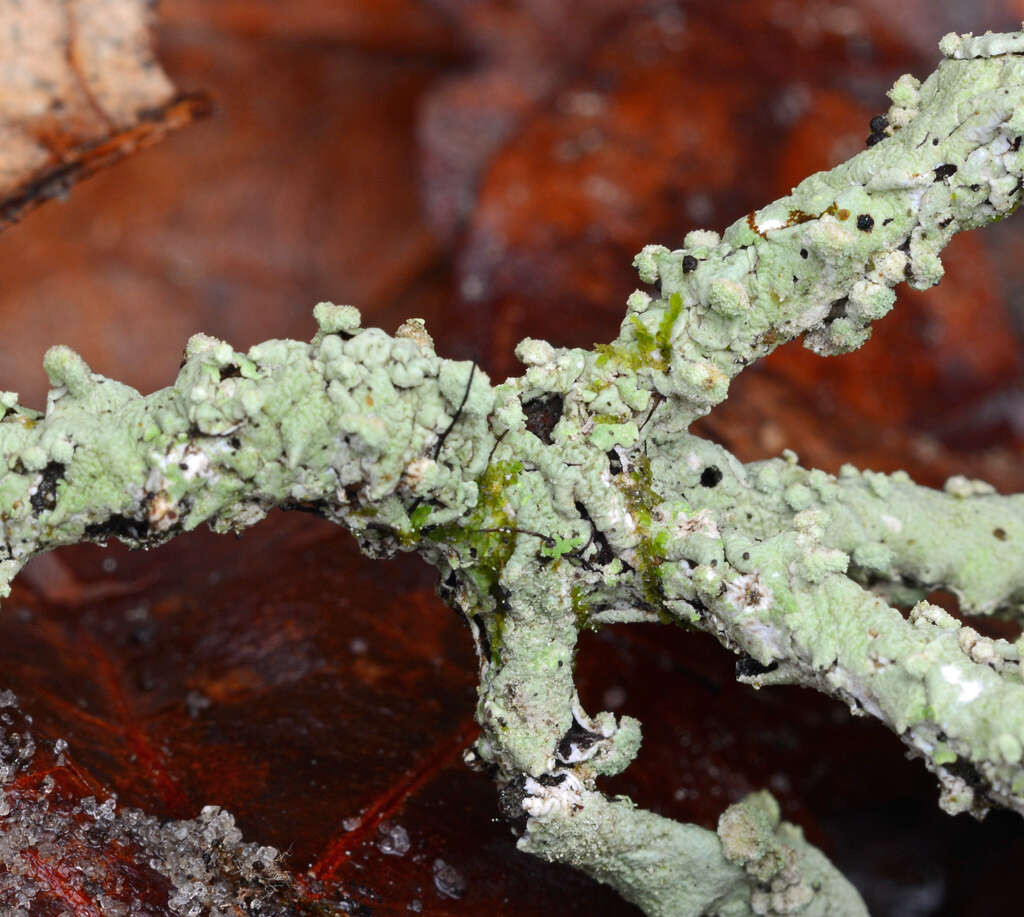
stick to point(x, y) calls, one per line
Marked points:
point(79, 89)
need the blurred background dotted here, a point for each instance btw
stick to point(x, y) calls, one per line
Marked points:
point(491, 166)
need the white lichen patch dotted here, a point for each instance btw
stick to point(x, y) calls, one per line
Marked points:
point(748, 594)
point(183, 461)
point(960, 486)
point(893, 524)
point(418, 471)
point(991, 44)
point(558, 800)
point(163, 512)
point(969, 688)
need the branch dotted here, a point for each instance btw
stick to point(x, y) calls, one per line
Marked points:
point(823, 261)
point(755, 861)
point(574, 495)
point(345, 426)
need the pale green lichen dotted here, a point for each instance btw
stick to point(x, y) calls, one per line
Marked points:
point(756, 864)
point(575, 495)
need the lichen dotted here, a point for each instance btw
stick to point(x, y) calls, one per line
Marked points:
point(575, 495)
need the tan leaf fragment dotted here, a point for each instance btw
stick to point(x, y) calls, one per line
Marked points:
point(80, 88)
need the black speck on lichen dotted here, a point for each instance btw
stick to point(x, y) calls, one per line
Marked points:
point(542, 414)
point(45, 496)
point(710, 476)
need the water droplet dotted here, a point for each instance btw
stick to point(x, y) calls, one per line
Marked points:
point(448, 881)
point(614, 697)
point(195, 703)
point(394, 839)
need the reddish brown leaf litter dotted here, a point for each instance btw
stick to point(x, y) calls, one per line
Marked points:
point(97, 859)
point(322, 699)
point(395, 839)
point(387, 25)
point(324, 708)
point(80, 90)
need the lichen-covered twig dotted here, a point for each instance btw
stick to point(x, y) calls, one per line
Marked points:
point(575, 495)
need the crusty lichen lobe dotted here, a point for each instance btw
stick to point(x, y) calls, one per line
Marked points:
point(344, 425)
point(823, 261)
